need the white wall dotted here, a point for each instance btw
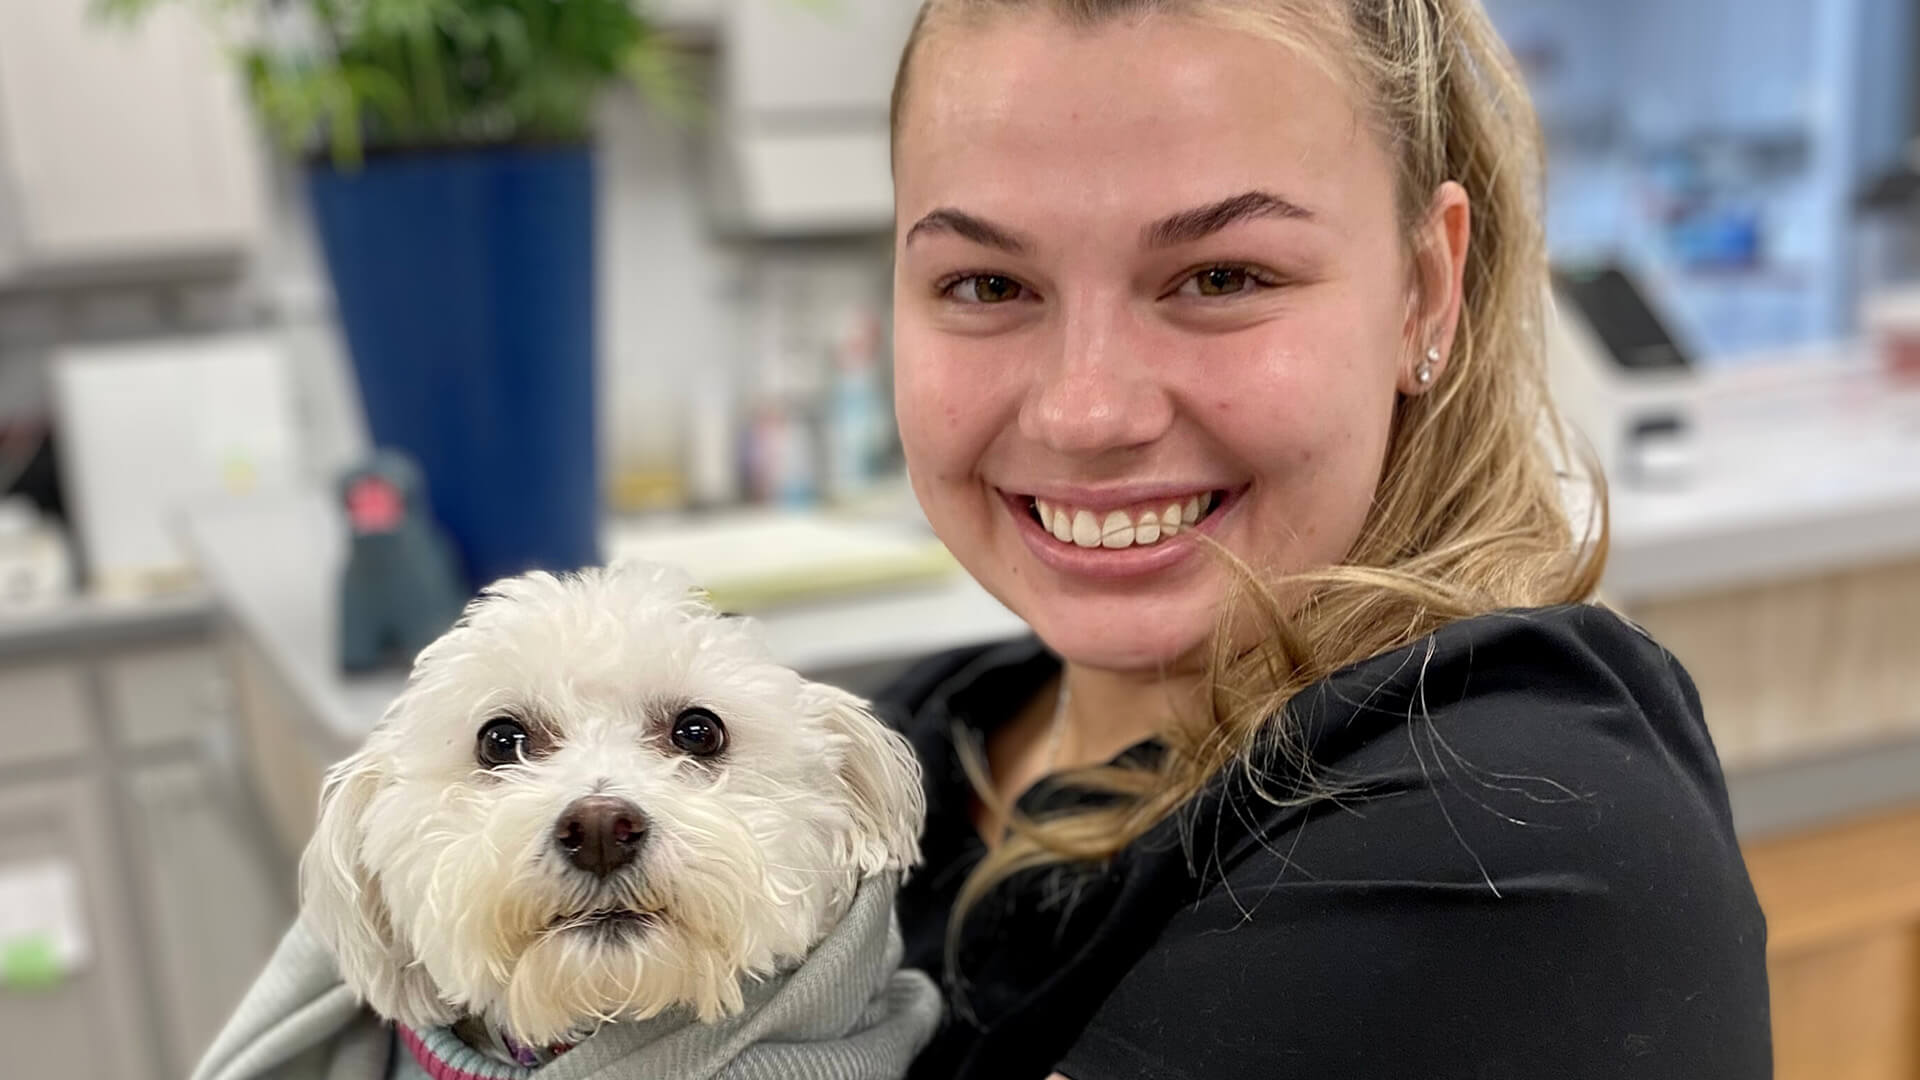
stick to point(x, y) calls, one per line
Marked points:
point(670, 296)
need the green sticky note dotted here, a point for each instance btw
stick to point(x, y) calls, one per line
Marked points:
point(30, 963)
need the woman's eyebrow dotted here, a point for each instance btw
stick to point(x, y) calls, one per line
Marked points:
point(1190, 225)
point(965, 225)
point(1180, 228)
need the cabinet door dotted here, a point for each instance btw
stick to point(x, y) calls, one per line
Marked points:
point(43, 713)
point(164, 695)
point(214, 908)
point(119, 143)
point(87, 1024)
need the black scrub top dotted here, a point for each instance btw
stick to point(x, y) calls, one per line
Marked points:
point(1531, 872)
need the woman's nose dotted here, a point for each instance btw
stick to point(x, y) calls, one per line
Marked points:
point(1098, 388)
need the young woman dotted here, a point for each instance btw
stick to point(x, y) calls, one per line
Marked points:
point(1219, 360)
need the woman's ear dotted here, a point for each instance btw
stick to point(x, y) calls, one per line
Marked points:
point(1440, 246)
point(340, 901)
point(879, 778)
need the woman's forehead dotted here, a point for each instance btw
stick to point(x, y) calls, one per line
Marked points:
point(1137, 118)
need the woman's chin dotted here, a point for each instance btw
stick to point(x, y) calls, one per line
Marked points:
point(1133, 638)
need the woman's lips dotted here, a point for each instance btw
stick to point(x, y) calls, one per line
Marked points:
point(1143, 537)
point(1143, 524)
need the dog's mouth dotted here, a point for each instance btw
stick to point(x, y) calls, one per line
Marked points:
point(609, 921)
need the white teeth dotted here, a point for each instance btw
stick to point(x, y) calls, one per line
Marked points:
point(1116, 529)
point(1086, 531)
point(1148, 530)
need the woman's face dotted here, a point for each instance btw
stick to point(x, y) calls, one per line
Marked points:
point(1145, 271)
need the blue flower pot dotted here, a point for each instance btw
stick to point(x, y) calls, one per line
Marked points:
point(465, 286)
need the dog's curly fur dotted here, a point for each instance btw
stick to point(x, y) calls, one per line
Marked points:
point(436, 883)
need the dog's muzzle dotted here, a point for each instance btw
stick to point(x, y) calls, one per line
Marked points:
point(601, 833)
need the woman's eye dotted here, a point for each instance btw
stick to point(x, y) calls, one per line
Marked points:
point(699, 732)
point(1222, 281)
point(984, 289)
point(502, 741)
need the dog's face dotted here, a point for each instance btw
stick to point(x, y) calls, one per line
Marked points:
point(597, 799)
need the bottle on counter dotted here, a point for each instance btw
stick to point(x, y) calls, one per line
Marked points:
point(857, 408)
point(780, 454)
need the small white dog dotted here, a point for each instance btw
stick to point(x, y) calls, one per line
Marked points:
point(598, 800)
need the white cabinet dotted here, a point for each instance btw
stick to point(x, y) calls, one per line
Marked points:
point(819, 58)
point(43, 714)
point(805, 94)
point(163, 695)
point(116, 790)
point(216, 913)
point(121, 145)
point(205, 866)
point(88, 1025)
point(693, 19)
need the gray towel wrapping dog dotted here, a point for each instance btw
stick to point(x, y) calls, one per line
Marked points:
point(846, 1013)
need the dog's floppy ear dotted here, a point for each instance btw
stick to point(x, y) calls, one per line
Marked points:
point(340, 902)
point(880, 781)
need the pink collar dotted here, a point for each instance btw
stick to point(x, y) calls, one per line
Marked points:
point(443, 1055)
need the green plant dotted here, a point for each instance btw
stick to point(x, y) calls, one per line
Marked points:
point(354, 75)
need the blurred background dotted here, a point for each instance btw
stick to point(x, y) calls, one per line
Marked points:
point(314, 314)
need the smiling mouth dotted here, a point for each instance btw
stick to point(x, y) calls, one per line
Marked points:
point(1143, 525)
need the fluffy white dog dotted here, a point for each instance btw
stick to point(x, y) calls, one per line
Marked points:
point(598, 800)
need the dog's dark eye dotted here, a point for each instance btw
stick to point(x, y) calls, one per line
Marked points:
point(699, 732)
point(503, 741)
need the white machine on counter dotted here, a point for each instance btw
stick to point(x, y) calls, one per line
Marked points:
point(36, 568)
point(150, 428)
point(1620, 378)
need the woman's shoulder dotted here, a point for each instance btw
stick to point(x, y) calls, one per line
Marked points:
point(1554, 738)
point(1518, 817)
point(1580, 649)
point(1537, 687)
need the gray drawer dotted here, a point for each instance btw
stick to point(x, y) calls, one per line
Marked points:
point(43, 713)
point(162, 695)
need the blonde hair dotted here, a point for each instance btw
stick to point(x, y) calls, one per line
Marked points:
point(1469, 515)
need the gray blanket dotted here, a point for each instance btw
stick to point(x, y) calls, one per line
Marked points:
point(846, 1013)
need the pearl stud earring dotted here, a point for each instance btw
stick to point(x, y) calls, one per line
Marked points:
point(1424, 372)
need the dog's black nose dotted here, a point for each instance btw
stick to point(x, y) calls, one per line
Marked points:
point(601, 833)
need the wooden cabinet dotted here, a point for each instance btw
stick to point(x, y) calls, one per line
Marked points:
point(1817, 674)
point(1843, 950)
point(120, 145)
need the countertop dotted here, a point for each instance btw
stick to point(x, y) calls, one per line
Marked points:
point(1805, 465)
point(84, 622)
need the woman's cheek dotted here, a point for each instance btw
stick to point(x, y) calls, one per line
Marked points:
point(944, 403)
point(915, 382)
